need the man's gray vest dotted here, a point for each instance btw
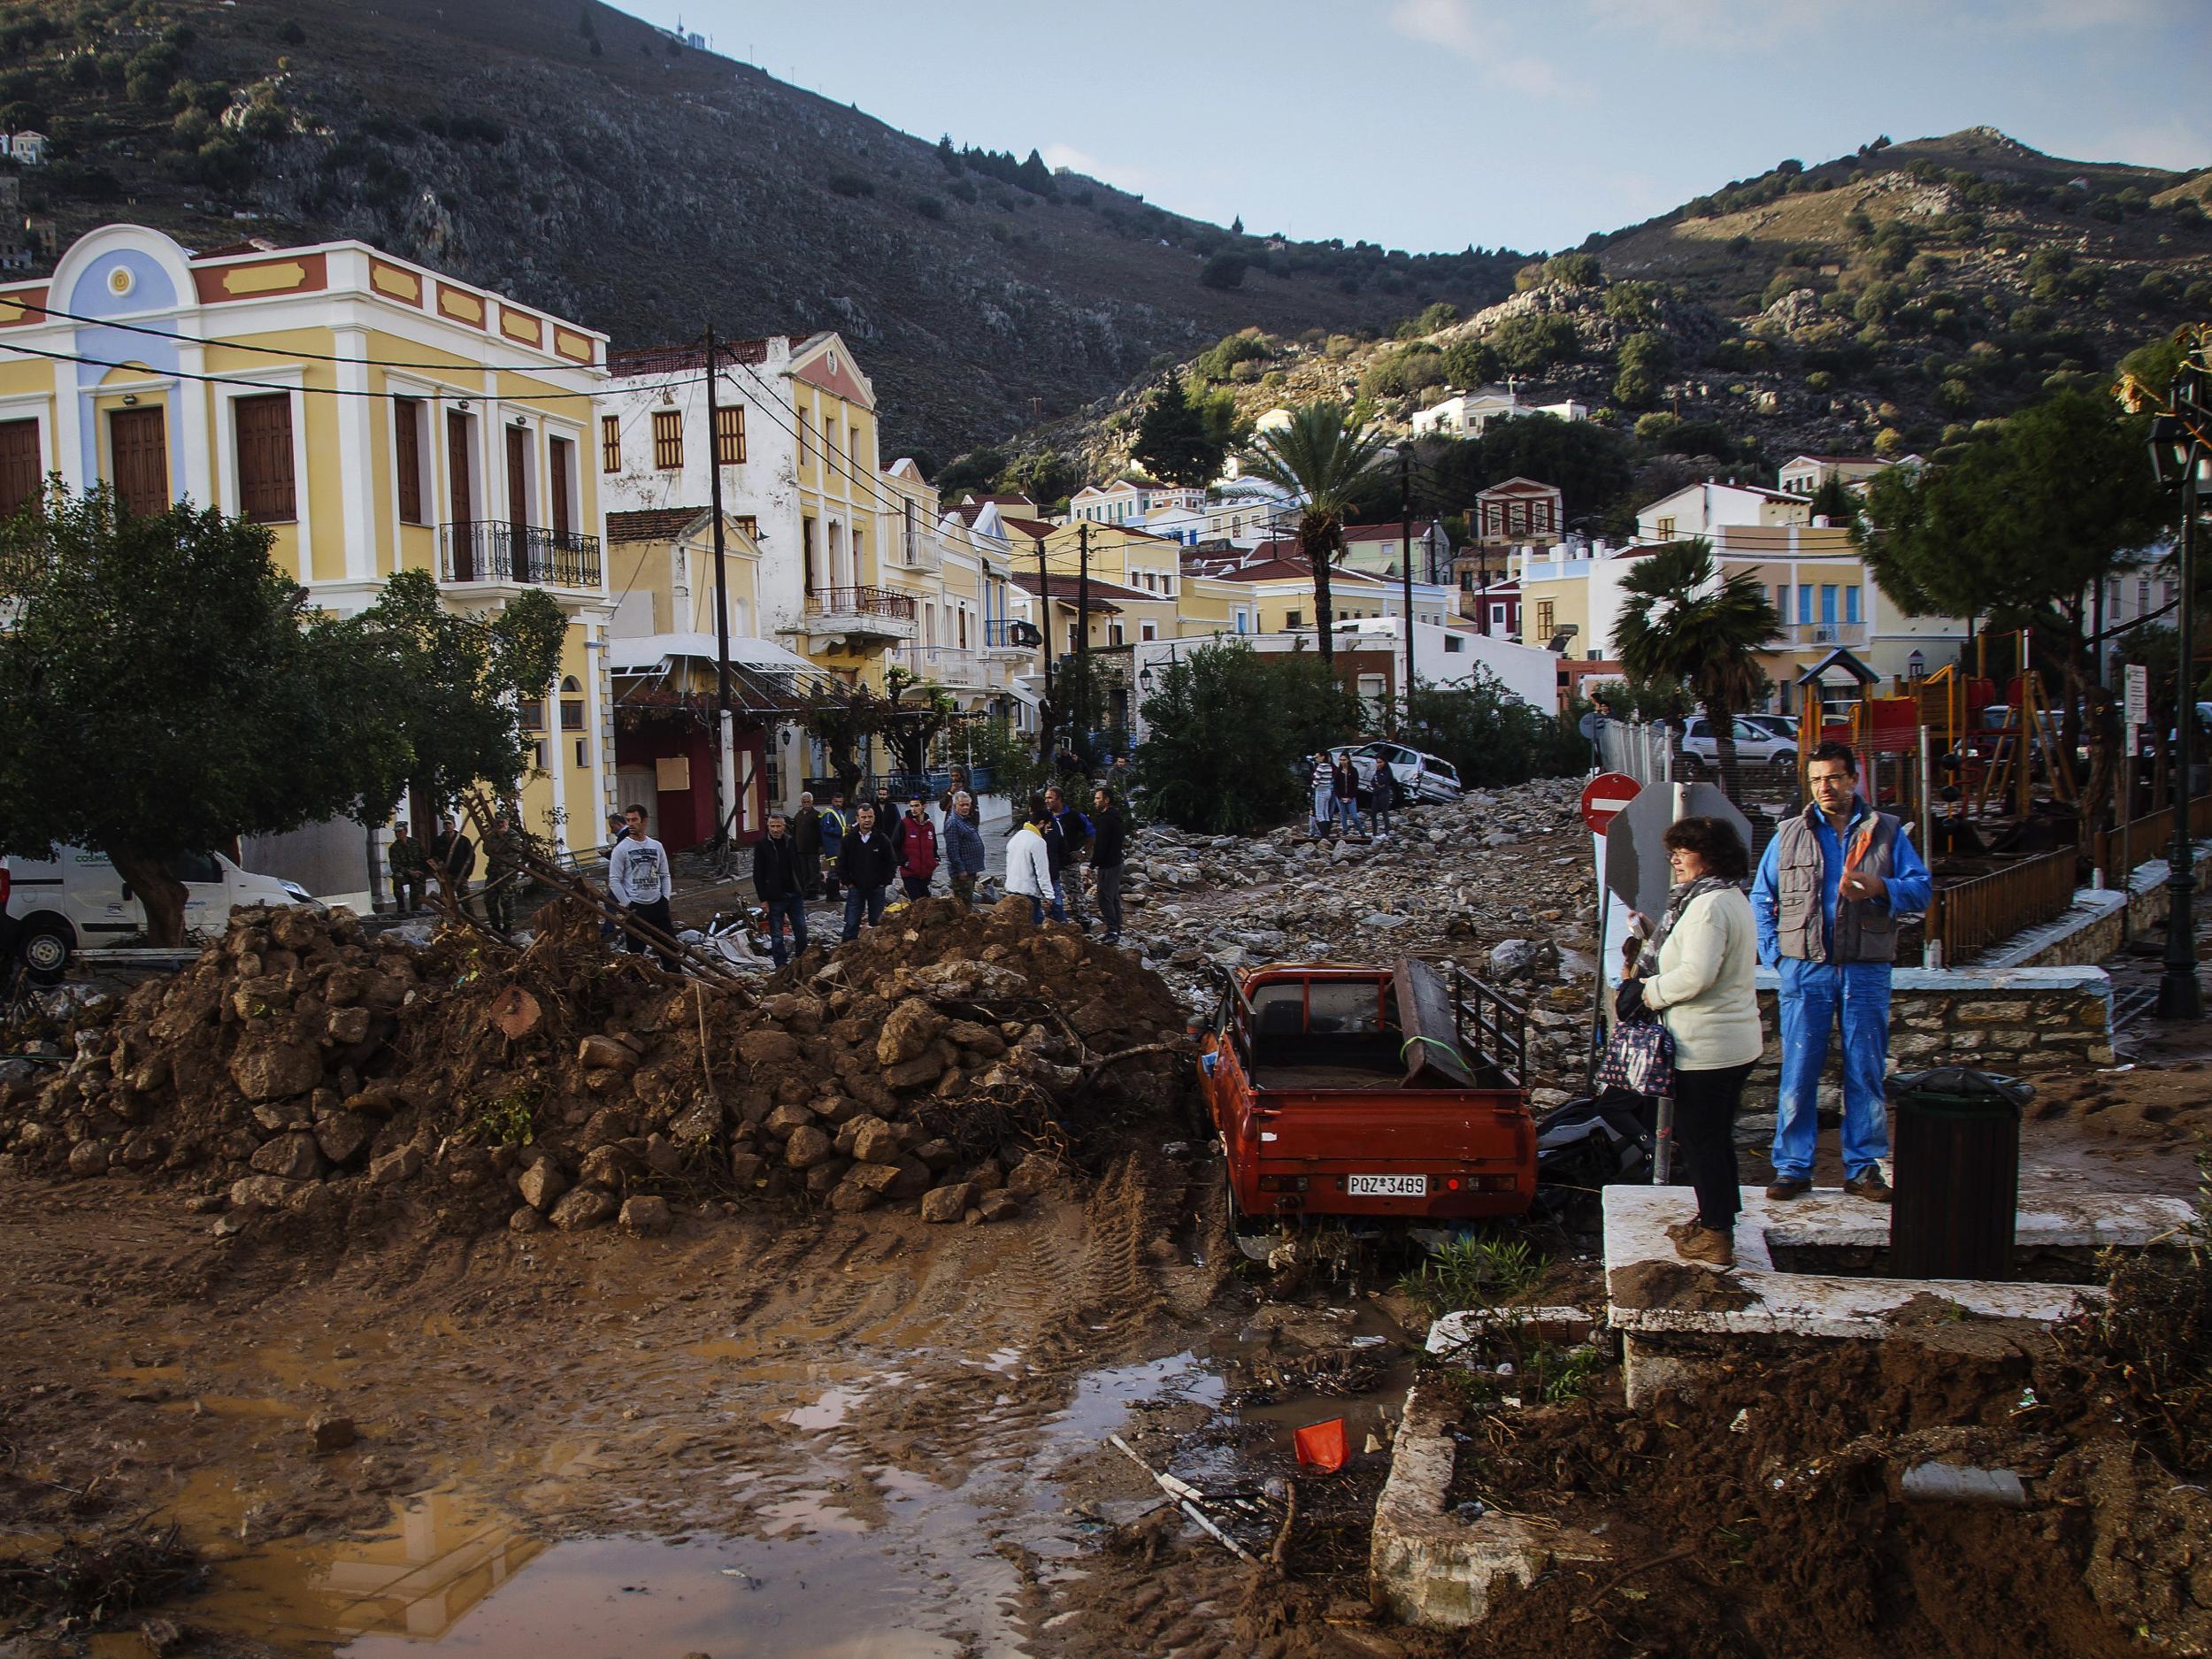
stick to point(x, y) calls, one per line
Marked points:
point(1865, 929)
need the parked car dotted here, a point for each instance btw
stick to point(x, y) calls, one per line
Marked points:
point(1420, 777)
point(60, 903)
point(1754, 746)
point(1782, 725)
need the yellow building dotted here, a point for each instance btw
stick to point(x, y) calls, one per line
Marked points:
point(375, 414)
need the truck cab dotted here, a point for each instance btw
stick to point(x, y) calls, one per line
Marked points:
point(1369, 1091)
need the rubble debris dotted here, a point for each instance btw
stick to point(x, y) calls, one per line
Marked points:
point(300, 1072)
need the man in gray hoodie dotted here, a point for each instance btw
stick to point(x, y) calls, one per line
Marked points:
point(638, 877)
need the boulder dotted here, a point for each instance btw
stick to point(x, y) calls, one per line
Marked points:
point(912, 1027)
point(645, 1216)
point(849, 1196)
point(947, 1204)
point(89, 1157)
point(610, 1166)
point(293, 1157)
point(789, 1117)
point(342, 1136)
point(764, 1045)
point(604, 1054)
point(939, 1154)
point(542, 1184)
point(395, 1167)
point(807, 1148)
point(272, 1069)
point(259, 1192)
point(347, 1026)
point(586, 1207)
point(911, 1178)
point(877, 1143)
point(747, 1169)
point(999, 1206)
point(916, 1073)
point(525, 1220)
point(982, 1039)
point(331, 1434)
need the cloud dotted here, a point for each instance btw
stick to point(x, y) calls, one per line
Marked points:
point(1136, 180)
point(1457, 27)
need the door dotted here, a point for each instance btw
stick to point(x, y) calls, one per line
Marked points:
point(21, 477)
point(557, 460)
point(518, 505)
point(207, 893)
point(138, 446)
point(463, 494)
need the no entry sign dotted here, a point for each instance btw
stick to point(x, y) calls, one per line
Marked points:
point(1604, 795)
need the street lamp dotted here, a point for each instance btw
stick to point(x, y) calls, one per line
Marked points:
point(2180, 457)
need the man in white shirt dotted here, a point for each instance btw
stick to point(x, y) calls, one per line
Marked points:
point(638, 877)
point(1029, 866)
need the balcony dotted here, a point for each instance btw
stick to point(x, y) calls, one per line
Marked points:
point(918, 550)
point(945, 664)
point(862, 613)
point(527, 556)
point(1802, 635)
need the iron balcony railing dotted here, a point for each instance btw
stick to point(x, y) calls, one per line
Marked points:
point(1823, 632)
point(493, 550)
point(860, 602)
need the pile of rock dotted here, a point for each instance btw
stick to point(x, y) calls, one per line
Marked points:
point(296, 1070)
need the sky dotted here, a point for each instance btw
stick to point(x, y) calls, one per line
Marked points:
point(1432, 125)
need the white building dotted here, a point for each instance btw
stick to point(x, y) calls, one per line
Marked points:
point(26, 148)
point(1467, 414)
point(1701, 509)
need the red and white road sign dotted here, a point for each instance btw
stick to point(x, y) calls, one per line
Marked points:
point(1606, 795)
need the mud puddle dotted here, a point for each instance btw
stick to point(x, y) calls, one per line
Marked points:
point(837, 1554)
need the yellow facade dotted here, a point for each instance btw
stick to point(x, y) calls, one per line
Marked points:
point(272, 383)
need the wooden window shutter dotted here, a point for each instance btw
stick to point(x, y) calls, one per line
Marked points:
point(668, 438)
point(609, 443)
point(19, 476)
point(138, 443)
point(407, 448)
point(729, 435)
point(557, 454)
point(264, 457)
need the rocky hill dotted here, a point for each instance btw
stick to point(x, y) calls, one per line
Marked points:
point(1881, 301)
point(583, 159)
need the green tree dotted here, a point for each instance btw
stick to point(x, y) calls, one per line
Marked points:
point(1644, 358)
point(447, 688)
point(1224, 271)
point(2019, 526)
point(1470, 365)
point(1529, 344)
point(1834, 501)
point(978, 470)
point(1492, 737)
point(164, 689)
point(1324, 460)
point(1171, 439)
point(1227, 727)
point(1685, 622)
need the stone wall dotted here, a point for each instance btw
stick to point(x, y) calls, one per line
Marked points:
point(2020, 1020)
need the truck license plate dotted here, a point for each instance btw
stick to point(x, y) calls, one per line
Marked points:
point(1388, 1186)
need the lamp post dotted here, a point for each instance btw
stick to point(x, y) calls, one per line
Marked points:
point(2181, 456)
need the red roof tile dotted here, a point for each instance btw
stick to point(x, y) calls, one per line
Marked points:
point(652, 524)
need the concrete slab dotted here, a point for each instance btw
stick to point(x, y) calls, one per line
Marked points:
point(1427, 1566)
point(1452, 1336)
point(1645, 1293)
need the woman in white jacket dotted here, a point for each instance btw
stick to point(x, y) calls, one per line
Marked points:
point(1029, 866)
point(1697, 976)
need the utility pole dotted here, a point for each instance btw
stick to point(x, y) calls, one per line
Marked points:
point(1405, 562)
point(1083, 643)
point(2179, 994)
point(725, 804)
point(1044, 617)
point(1482, 576)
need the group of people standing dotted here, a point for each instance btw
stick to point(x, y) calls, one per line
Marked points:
point(1823, 911)
point(1337, 789)
point(1045, 858)
point(450, 858)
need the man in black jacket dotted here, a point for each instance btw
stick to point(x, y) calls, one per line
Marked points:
point(779, 880)
point(452, 860)
point(1065, 832)
point(865, 868)
point(1106, 834)
point(806, 836)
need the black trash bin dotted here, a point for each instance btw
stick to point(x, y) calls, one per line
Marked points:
point(1955, 1147)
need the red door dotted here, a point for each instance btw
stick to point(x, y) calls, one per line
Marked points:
point(464, 530)
point(138, 442)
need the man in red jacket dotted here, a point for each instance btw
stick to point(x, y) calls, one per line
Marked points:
point(916, 844)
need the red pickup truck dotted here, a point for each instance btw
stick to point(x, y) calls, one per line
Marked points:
point(1369, 1091)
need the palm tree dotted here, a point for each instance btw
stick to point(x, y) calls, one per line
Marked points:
point(1685, 622)
point(1319, 457)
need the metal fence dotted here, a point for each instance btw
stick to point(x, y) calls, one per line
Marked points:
point(1637, 748)
point(2119, 850)
point(492, 550)
point(1968, 918)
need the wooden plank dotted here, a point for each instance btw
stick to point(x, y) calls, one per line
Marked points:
point(1424, 1010)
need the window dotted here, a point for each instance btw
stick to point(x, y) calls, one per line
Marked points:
point(1241, 619)
point(746, 522)
point(668, 438)
point(1294, 619)
point(560, 467)
point(20, 473)
point(1545, 624)
point(264, 426)
point(1851, 604)
point(533, 714)
point(1113, 634)
point(1666, 529)
point(1453, 643)
point(2142, 594)
point(1828, 602)
point(610, 443)
point(1072, 647)
point(407, 453)
point(1805, 603)
point(571, 710)
point(806, 437)
point(1148, 630)
point(729, 435)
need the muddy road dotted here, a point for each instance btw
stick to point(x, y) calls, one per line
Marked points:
point(781, 1436)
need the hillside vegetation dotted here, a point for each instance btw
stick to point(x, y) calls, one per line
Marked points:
point(583, 160)
point(1882, 301)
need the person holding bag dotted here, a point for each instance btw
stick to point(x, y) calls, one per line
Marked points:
point(1695, 975)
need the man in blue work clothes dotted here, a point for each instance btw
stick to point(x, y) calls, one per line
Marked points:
point(1829, 892)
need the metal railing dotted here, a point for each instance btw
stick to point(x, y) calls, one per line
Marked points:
point(493, 550)
point(2119, 850)
point(1824, 633)
point(951, 665)
point(1971, 916)
point(860, 602)
point(1500, 1024)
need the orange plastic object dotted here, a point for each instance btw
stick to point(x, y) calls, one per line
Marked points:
point(1322, 1447)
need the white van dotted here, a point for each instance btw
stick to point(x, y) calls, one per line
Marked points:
point(78, 900)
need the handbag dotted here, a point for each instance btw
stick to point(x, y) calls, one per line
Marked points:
point(1639, 1058)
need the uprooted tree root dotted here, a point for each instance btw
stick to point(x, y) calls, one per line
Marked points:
point(86, 1583)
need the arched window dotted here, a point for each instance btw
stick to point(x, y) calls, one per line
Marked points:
point(571, 703)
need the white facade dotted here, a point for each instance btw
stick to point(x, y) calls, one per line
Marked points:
point(1468, 413)
point(1700, 509)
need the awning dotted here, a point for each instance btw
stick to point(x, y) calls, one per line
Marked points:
point(764, 677)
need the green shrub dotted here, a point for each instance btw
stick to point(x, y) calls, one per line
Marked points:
point(1227, 727)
